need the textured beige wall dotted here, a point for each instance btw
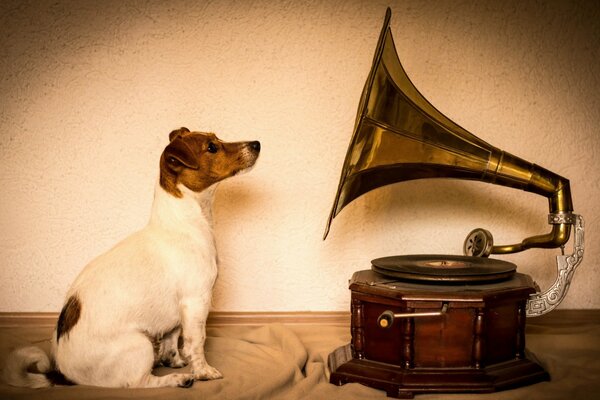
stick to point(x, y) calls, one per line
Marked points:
point(90, 90)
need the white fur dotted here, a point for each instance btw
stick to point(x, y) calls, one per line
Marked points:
point(154, 281)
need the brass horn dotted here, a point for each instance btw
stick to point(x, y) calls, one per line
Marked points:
point(399, 136)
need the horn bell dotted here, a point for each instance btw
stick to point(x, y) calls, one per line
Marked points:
point(399, 136)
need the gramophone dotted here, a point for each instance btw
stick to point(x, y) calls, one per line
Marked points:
point(442, 323)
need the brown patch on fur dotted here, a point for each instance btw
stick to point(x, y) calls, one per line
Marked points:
point(68, 317)
point(188, 160)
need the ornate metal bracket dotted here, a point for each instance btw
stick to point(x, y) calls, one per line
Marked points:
point(541, 303)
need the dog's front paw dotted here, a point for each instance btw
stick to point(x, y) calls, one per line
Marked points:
point(206, 373)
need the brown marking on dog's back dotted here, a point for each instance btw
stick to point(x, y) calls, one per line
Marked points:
point(68, 317)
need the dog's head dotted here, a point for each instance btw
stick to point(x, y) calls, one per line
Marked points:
point(198, 160)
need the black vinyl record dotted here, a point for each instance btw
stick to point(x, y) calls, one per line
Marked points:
point(444, 268)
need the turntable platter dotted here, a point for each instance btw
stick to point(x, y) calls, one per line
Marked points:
point(444, 268)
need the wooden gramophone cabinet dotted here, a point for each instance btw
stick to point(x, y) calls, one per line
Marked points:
point(475, 343)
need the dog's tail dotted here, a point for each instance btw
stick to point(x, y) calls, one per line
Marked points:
point(31, 367)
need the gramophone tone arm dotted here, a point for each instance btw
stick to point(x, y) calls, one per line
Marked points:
point(509, 170)
point(558, 191)
point(557, 237)
point(480, 243)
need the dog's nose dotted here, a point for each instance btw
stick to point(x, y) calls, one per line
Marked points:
point(255, 145)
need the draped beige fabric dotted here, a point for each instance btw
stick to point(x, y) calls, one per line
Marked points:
point(290, 362)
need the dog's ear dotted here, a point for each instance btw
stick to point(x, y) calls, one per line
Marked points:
point(178, 155)
point(177, 132)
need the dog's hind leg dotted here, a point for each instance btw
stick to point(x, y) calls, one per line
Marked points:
point(168, 350)
point(127, 361)
point(140, 359)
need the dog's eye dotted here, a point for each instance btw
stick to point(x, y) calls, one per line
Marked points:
point(173, 161)
point(212, 148)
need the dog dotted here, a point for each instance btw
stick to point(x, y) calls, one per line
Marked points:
point(125, 312)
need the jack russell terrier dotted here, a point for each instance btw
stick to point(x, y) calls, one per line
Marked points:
point(124, 313)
